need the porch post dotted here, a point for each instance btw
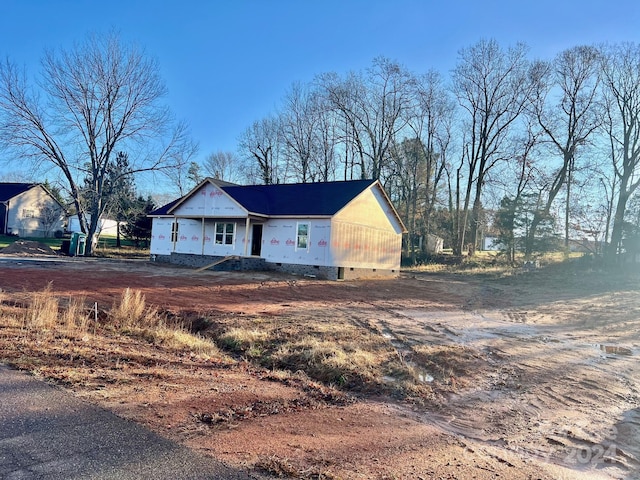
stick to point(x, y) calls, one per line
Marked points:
point(202, 236)
point(246, 236)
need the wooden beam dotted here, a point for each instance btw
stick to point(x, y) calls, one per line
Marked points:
point(218, 262)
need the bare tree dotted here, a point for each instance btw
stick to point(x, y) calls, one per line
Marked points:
point(327, 139)
point(621, 82)
point(97, 98)
point(371, 107)
point(492, 87)
point(260, 144)
point(431, 121)
point(567, 120)
point(299, 124)
point(224, 166)
point(50, 217)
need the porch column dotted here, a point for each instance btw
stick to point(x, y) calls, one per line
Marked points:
point(246, 236)
point(202, 236)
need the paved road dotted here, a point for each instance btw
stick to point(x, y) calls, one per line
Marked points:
point(46, 433)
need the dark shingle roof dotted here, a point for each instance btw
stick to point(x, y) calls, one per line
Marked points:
point(10, 190)
point(164, 210)
point(325, 198)
point(296, 199)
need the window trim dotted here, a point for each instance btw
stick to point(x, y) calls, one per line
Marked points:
point(307, 237)
point(225, 234)
point(174, 230)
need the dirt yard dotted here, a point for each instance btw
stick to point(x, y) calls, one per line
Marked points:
point(529, 376)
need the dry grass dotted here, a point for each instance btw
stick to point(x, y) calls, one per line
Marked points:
point(179, 339)
point(131, 311)
point(248, 342)
point(45, 317)
point(103, 249)
point(337, 352)
point(42, 316)
point(334, 351)
point(328, 361)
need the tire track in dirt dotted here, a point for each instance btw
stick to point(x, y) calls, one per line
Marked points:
point(548, 396)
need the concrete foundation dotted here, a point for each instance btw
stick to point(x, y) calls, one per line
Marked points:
point(259, 264)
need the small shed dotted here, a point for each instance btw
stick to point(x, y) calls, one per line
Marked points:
point(333, 230)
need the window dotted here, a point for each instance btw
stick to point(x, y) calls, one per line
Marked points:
point(302, 241)
point(28, 213)
point(225, 233)
point(174, 231)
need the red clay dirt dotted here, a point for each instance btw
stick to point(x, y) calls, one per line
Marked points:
point(542, 381)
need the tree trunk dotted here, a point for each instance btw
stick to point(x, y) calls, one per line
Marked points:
point(618, 223)
point(118, 244)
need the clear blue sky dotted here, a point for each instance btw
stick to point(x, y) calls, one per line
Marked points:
point(228, 63)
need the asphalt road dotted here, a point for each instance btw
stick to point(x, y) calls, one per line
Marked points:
point(47, 433)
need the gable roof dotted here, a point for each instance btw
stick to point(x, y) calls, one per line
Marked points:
point(315, 199)
point(289, 199)
point(10, 190)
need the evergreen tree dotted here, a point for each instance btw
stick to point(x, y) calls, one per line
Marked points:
point(138, 226)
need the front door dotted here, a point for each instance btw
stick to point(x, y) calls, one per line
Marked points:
point(256, 242)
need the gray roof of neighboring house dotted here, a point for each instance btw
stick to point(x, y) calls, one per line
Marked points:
point(10, 190)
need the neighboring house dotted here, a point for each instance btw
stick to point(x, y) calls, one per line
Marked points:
point(106, 226)
point(29, 210)
point(491, 244)
point(334, 230)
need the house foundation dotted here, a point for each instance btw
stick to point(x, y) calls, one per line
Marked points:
point(218, 263)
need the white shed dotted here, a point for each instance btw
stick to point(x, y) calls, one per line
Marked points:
point(333, 230)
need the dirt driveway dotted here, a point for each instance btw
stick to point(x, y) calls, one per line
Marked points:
point(542, 379)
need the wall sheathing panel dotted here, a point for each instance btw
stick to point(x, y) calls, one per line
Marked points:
point(279, 242)
point(210, 246)
point(161, 243)
point(189, 236)
point(364, 247)
point(366, 234)
point(209, 201)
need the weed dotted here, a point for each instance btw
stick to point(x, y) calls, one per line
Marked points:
point(241, 340)
point(131, 311)
point(179, 339)
point(279, 467)
point(42, 315)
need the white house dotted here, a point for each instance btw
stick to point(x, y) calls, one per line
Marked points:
point(29, 210)
point(334, 230)
point(106, 226)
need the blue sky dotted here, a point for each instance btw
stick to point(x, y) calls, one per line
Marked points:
point(228, 63)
